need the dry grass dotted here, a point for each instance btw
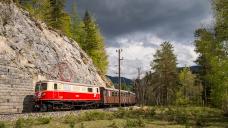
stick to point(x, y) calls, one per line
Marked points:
point(153, 117)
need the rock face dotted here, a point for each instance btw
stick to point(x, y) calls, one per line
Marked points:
point(29, 52)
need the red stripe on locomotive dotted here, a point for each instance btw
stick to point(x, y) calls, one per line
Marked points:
point(62, 95)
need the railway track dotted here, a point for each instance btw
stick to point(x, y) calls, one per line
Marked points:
point(15, 116)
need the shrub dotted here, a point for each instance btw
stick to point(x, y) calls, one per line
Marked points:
point(19, 123)
point(121, 113)
point(200, 121)
point(181, 119)
point(113, 125)
point(44, 120)
point(24, 123)
point(95, 115)
point(2, 125)
point(72, 124)
point(82, 125)
point(225, 106)
point(149, 112)
point(70, 119)
point(134, 123)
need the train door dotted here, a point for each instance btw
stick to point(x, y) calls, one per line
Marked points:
point(56, 92)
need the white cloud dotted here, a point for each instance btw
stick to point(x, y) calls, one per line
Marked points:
point(138, 51)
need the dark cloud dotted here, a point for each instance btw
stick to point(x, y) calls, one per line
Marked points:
point(167, 19)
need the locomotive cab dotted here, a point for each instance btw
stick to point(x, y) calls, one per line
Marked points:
point(40, 89)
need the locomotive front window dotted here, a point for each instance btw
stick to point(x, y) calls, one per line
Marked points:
point(37, 87)
point(43, 87)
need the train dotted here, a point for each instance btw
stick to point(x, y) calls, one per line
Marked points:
point(51, 95)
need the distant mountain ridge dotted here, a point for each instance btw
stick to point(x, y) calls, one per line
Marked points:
point(115, 80)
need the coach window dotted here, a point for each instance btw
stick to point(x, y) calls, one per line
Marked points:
point(113, 93)
point(55, 86)
point(107, 93)
point(90, 90)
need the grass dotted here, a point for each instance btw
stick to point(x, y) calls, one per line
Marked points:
point(149, 117)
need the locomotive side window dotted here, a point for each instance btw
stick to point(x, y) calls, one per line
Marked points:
point(66, 87)
point(97, 90)
point(90, 89)
point(55, 86)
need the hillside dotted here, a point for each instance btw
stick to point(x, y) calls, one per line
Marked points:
point(115, 80)
point(30, 52)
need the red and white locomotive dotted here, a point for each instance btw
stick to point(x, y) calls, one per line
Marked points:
point(58, 95)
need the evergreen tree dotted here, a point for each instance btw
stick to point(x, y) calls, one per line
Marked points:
point(93, 44)
point(164, 66)
point(56, 13)
point(66, 25)
point(77, 25)
point(40, 9)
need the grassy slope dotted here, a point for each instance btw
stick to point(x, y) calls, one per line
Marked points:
point(152, 117)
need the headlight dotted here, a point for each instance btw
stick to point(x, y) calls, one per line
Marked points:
point(43, 94)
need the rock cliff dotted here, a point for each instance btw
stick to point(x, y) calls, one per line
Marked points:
point(29, 52)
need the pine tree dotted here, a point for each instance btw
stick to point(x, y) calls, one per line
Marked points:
point(56, 13)
point(164, 66)
point(77, 25)
point(66, 25)
point(93, 44)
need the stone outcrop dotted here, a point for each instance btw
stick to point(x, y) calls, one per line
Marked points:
point(29, 52)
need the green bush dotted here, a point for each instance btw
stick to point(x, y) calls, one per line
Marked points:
point(95, 115)
point(176, 114)
point(43, 120)
point(72, 124)
point(24, 123)
point(121, 113)
point(20, 123)
point(146, 113)
point(200, 121)
point(2, 125)
point(113, 125)
point(181, 119)
point(82, 125)
point(131, 123)
point(71, 120)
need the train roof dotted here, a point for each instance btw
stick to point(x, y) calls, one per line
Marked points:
point(63, 82)
point(118, 90)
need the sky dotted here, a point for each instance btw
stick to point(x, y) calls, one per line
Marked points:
point(140, 26)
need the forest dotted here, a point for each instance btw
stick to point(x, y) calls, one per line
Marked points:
point(165, 85)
